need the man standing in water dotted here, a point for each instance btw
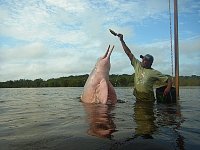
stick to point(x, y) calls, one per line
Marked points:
point(145, 76)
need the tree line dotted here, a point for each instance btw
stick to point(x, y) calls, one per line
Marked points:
point(123, 80)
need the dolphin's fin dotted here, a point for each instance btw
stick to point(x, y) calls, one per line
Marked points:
point(102, 92)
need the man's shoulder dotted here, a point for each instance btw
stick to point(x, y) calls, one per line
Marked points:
point(155, 71)
point(135, 62)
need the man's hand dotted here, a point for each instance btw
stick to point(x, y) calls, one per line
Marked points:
point(120, 37)
point(166, 91)
point(168, 88)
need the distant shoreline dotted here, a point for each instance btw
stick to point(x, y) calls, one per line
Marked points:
point(123, 80)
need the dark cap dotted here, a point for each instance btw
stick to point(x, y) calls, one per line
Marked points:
point(147, 57)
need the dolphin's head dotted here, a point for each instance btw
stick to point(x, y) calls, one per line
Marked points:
point(103, 63)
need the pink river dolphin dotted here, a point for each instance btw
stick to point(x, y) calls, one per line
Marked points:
point(98, 88)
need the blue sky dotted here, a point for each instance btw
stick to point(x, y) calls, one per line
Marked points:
point(54, 38)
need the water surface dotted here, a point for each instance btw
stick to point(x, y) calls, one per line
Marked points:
point(54, 118)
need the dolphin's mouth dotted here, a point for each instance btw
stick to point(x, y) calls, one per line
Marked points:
point(108, 52)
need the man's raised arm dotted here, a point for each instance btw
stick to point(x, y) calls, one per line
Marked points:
point(125, 47)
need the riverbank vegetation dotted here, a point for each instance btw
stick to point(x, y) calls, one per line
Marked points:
point(123, 80)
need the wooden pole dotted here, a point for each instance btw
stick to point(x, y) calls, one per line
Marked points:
point(176, 49)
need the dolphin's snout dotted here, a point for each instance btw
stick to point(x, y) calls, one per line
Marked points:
point(108, 52)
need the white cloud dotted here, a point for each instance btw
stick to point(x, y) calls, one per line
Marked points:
point(64, 37)
point(68, 5)
point(26, 52)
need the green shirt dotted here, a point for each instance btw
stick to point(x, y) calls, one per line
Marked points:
point(144, 81)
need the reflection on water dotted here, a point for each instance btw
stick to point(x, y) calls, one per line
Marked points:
point(100, 120)
point(170, 115)
point(54, 118)
point(147, 116)
point(144, 118)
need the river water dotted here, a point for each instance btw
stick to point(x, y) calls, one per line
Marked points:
point(54, 118)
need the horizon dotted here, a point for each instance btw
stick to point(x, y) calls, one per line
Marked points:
point(49, 39)
point(85, 75)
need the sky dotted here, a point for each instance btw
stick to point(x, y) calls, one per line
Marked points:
point(58, 38)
